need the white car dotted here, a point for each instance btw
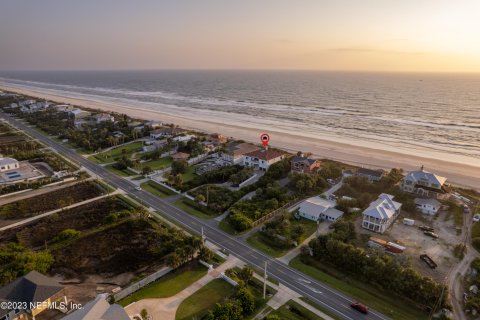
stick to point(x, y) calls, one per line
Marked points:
point(476, 218)
point(138, 188)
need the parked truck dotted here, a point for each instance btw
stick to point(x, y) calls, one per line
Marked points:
point(408, 222)
point(428, 261)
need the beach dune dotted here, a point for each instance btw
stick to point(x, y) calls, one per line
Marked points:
point(456, 173)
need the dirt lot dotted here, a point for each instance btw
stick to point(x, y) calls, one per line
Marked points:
point(440, 250)
point(81, 218)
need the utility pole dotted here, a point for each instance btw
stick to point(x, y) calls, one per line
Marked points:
point(203, 236)
point(265, 281)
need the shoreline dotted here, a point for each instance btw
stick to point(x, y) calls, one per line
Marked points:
point(456, 173)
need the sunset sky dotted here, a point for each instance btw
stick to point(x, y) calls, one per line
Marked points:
point(373, 35)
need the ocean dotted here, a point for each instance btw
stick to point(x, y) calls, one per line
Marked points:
point(425, 114)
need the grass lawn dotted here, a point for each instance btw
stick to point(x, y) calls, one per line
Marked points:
point(381, 301)
point(121, 173)
point(189, 174)
point(294, 311)
point(309, 226)
point(185, 206)
point(198, 304)
point(112, 155)
point(156, 189)
point(169, 285)
point(261, 242)
point(159, 163)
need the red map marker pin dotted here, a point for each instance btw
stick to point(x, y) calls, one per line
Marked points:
point(265, 138)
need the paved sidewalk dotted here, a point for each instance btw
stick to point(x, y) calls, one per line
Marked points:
point(165, 308)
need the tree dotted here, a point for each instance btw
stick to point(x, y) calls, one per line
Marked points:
point(147, 170)
point(199, 198)
point(246, 274)
point(246, 300)
point(178, 180)
point(205, 254)
point(179, 166)
point(173, 260)
point(144, 314)
point(226, 311)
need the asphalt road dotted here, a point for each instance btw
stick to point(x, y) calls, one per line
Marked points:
point(329, 298)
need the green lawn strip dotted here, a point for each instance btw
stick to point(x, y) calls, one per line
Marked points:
point(121, 173)
point(128, 201)
point(186, 205)
point(309, 226)
point(225, 226)
point(319, 307)
point(158, 164)
point(105, 186)
point(168, 285)
point(261, 242)
point(189, 174)
point(294, 311)
point(384, 302)
point(111, 155)
point(198, 304)
point(156, 189)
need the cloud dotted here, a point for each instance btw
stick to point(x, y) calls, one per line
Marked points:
point(362, 49)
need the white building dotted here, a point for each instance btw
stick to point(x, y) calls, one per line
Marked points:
point(78, 113)
point(7, 164)
point(262, 159)
point(103, 117)
point(183, 138)
point(381, 213)
point(428, 206)
point(317, 208)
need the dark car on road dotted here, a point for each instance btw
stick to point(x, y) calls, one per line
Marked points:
point(359, 307)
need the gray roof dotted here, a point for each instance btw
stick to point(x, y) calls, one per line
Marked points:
point(315, 206)
point(33, 287)
point(422, 175)
point(303, 159)
point(432, 202)
point(5, 161)
point(99, 309)
point(383, 208)
point(370, 172)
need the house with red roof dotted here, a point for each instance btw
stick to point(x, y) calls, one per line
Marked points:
point(262, 159)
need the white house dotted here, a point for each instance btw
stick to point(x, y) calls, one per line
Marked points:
point(428, 206)
point(7, 164)
point(381, 213)
point(262, 159)
point(103, 117)
point(183, 138)
point(78, 113)
point(156, 134)
point(316, 208)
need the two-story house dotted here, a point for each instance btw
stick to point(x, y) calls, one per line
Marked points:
point(370, 174)
point(381, 213)
point(424, 183)
point(262, 159)
point(305, 165)
point(234, 151)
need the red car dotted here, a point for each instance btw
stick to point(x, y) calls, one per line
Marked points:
point(359, 307)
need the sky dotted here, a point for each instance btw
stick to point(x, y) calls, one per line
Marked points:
point(366, 35)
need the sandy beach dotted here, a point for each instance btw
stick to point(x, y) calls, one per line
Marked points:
point(460, 174)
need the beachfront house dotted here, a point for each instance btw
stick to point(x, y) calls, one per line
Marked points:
point(262, 159)
point(37, 291)
point(154, 124)
point(103, 117)
point(217, 138)
point(424, 183)
point(317, 208)
point(7, 164)
point(427, 206)
point(99, 308)
point(370, 174)
point(234, 151)
point(304, 165)
point(381, 213)
point(78, 113)
point(184, 138)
